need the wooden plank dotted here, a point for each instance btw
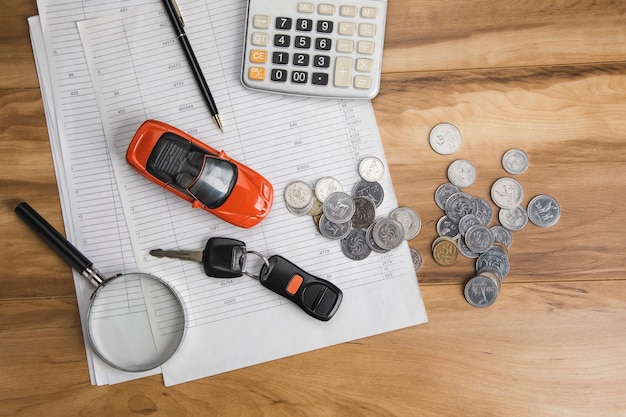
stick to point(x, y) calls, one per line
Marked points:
point(449, 35)
point(17, 64)
point(542, 349)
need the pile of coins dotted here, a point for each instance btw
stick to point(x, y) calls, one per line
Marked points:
point(464, 229)
point(351, 218)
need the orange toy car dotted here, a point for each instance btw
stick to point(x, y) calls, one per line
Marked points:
point(199, 174)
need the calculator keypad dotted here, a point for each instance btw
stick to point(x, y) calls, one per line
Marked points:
point(325, 49)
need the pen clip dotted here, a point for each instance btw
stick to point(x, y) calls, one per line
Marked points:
point(179, 16)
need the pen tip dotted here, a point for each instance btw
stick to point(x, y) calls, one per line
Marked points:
point(218, 121)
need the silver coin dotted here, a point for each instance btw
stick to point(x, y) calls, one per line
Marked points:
point(354, 245)
point(515, 161)
point(468, 221)
point(371, 169)
point(458, 205)
point(513, 219)
point(502, 235)
point(417, 259)
point(373, 190)
point(332, 230)
point(495, 258)
point(446, 227)
point(409, 219)
point(443, 192)
point(465, 250)
point(483, 210)
point(326, 186)
point(338, 207)
point(462, 173)
point(364, 212)
point(388, 233)
point(507, 193)
point(369, 239)
point(544, 211)
point(481, 291)
point(298, 197)
point(479, 238)
point(445, 138)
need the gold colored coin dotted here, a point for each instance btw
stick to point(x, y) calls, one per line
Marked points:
point(445, 252)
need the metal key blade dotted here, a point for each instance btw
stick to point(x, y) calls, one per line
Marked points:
point(185, 255)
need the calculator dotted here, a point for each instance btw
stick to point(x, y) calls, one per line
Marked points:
point(330, 48)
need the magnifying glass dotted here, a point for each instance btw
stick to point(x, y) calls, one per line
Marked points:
point(135, 321)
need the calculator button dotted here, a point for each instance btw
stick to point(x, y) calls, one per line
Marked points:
point(302, 42)
point(326, 9)
point(365, 47)
point(343, 71)
point(299, 77)
point(256, 73)
point(281, 58)
point(258, 56)
point(367, 29)
point(323, 44)
point(321, 61)
point(304, 25)
point(282, 41)
point(259, 39)
point(364, 64)
point(261, 21)
point(348, 11)
point(324, 26)
point(345, 45)
point(279, 75)
point(363, 82)
point(347, 28)
point(305, 7)
point(319, 78)
point(301, 60)
point(283, 23)
point(369, 12)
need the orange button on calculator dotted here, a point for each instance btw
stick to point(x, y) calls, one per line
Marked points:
point(256, 74)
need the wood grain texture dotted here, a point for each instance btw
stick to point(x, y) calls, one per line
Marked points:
point(546, 77)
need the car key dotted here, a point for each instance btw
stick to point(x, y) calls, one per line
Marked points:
point(316, 296)
point(226, 258)
point(221, 258)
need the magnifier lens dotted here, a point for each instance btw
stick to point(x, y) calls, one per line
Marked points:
point(136, 322)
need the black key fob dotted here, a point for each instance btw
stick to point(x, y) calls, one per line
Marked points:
point(223, 257)
point(318, 297)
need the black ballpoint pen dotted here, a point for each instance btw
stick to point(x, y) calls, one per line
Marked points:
point(177, 21)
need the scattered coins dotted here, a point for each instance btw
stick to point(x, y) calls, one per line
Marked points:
point(351, 219)
point(465, 227)
point(445, 138)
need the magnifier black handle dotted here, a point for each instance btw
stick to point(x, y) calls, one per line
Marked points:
point(53, 238)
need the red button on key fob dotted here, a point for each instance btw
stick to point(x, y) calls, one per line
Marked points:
point(316, 296)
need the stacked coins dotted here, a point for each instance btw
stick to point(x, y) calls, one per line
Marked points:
point(464, 229)
point(351, 218)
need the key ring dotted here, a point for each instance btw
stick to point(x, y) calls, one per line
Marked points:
point(267, 263)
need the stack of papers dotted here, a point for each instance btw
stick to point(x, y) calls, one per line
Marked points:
point(104, 68)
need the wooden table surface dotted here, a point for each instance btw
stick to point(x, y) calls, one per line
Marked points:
point(545, 77)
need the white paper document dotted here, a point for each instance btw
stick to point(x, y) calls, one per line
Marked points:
point(132, 68)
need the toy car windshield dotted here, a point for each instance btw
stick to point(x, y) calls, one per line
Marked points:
point(180, 164)
point(214, 182)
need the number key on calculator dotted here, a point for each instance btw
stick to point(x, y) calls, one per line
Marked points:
point(328, 48)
